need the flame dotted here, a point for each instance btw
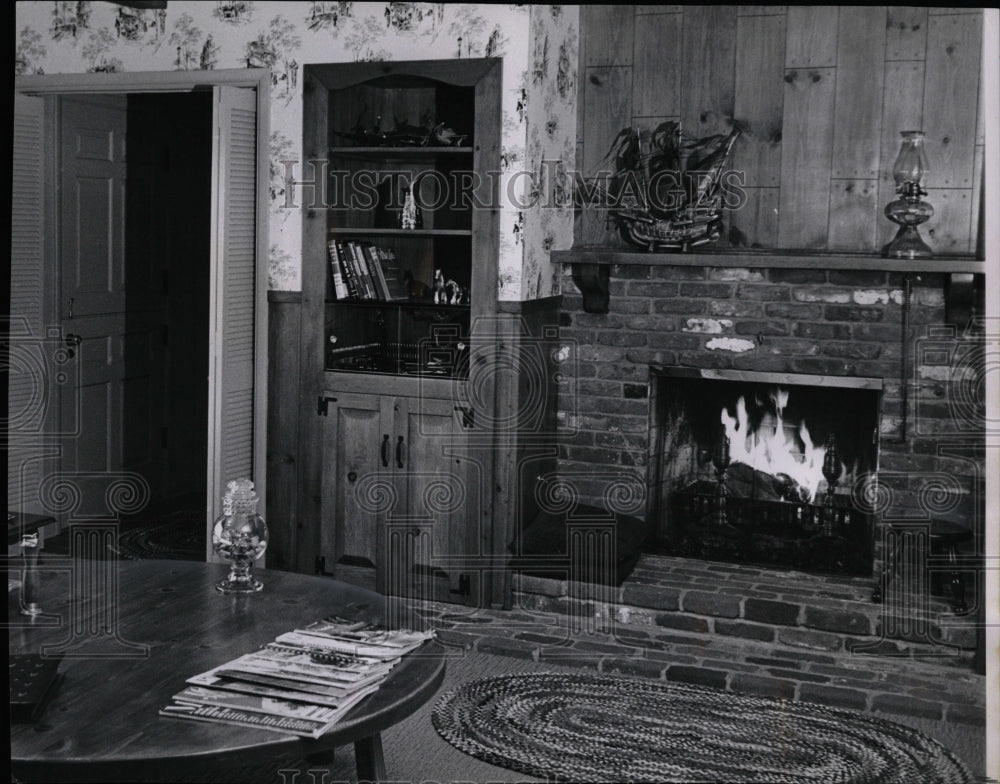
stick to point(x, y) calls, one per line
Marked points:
point(773, 449)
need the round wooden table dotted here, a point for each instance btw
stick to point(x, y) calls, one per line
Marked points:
point(131, 632)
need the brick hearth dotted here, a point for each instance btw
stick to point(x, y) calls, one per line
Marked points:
point(790, 636)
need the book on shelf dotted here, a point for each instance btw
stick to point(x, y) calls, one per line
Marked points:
point(366, 271)
point(396, 285)
point(375, 270)
point(350, 264)
point(339, 286)
point(363, 274)
point(345, 269)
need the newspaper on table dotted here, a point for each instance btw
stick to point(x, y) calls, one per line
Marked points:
point(302, 683)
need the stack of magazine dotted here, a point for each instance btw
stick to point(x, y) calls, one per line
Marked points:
point(302, 683)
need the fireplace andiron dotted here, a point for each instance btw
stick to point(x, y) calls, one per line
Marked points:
point(831, 473)
point(720, 460)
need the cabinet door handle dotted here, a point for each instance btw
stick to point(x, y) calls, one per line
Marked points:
point(399, 453)
point(385, 450)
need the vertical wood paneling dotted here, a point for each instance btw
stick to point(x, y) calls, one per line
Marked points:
point(861, 37)
point(853, 207)
point(755, 223)
point(905, 33)
point(949, 229)
point(282, 430)
point(760, 57)
point(762, 10)
point(820, 143)
point(806, 150)
point(709, 69)
point(606, 32)
point(658, 9)
point(608, 93)
point(657, 64)
point(951, 94)
point(901, 111)
point(812, 40)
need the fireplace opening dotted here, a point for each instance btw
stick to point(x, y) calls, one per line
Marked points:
point(764, 468)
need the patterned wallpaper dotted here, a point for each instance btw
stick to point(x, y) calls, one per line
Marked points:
point(537, 44)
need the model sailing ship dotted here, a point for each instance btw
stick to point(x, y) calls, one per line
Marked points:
point(669, 193)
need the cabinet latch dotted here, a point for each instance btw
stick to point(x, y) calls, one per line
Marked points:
point(468, 416)
point(322, 407)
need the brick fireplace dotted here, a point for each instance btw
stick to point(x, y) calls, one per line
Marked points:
point(763, 468)
point(837, 323)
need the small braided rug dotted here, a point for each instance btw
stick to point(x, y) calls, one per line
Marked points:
point(580, 727)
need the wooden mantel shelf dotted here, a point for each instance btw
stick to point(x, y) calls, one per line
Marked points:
point(770, 259)
point(591, 266)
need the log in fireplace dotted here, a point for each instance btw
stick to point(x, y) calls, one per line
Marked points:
point(765, 468)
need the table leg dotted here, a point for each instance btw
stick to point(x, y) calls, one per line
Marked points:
point(369, 758)
point(324, 757)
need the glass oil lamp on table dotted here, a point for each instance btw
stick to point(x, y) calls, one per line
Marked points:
point(239, 536)
point(909, 211)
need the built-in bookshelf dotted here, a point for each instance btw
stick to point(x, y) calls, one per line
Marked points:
point(410, 259)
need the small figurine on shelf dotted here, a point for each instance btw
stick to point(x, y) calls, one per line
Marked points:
point(454, 293)
point(411, 212)
point(440, 294)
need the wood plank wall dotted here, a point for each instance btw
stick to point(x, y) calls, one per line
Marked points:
point(824, 91)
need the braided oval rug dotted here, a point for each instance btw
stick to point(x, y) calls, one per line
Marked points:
point(581, 727)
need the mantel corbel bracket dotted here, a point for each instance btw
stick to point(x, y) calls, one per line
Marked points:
point(593, 280)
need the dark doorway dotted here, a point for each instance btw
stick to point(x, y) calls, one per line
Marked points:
point(167, 263)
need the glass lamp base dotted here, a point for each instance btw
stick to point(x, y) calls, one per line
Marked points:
point(907, 244)
point(237, 582)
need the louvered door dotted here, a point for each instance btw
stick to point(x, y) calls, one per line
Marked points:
point(233, 318)
point(27, 355)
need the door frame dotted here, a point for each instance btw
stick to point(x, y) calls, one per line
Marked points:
point(185, 81)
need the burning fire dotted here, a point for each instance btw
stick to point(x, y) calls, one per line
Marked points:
point(773, 448)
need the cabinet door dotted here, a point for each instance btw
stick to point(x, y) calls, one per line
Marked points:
point(358, 488)
point(442, 496)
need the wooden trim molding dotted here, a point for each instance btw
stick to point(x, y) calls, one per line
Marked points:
point(284, 297)
point(590, 267)
point(770, 259)
point(141, 81)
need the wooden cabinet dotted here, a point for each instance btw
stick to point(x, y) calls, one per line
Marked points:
point(403, 372)
point(401, 494)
